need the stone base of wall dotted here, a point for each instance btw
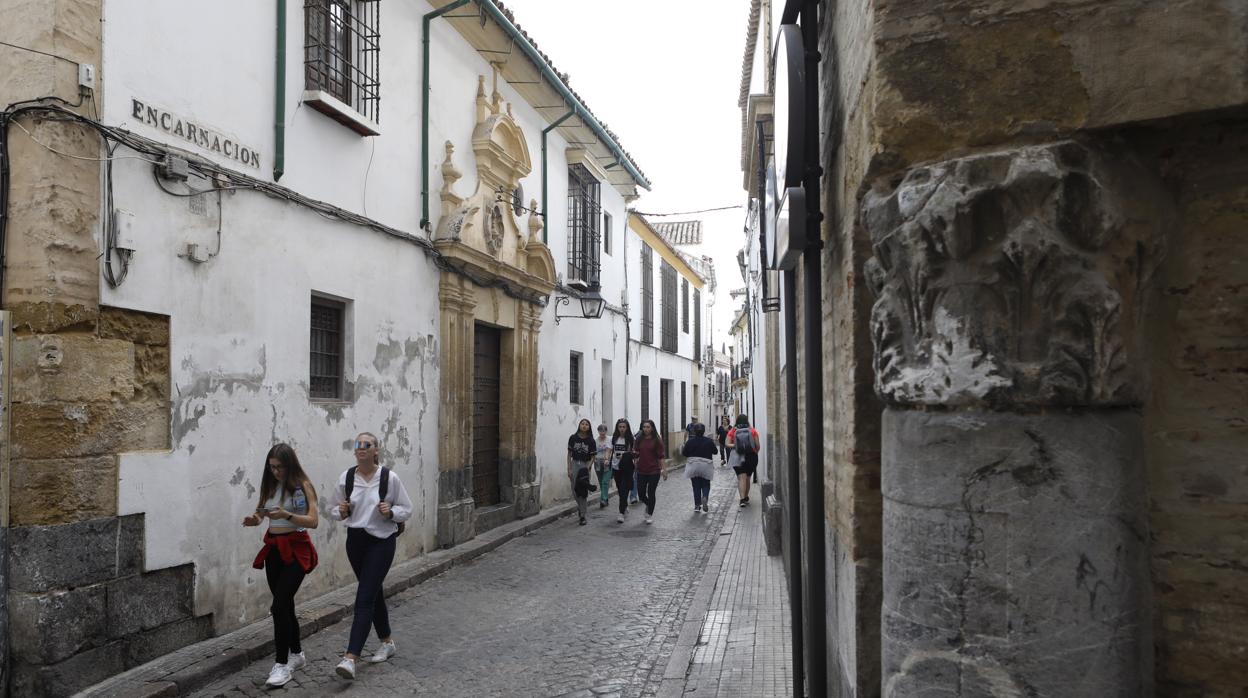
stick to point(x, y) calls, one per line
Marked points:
point(527, 499)
point(83, 609)
point(456, 522)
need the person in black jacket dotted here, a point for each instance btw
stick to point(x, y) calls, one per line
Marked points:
point(721, 435)
point(700, 454)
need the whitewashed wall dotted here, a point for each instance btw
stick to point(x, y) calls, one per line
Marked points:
point(239, 323)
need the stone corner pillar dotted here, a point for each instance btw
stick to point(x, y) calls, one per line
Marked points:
point(526, 488)
point(1009, 291)
point(455, 519)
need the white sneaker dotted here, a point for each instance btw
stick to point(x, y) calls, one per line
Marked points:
point(649, 520)
point(619, 519)
point(278, 676)
point(383, 653)
point(297, 661)
point(346, 668)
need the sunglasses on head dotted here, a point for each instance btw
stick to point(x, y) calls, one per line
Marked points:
point(364, 445)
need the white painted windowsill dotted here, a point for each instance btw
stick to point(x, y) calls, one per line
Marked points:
point(337, 110)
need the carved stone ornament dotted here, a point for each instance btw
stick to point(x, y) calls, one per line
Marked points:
point(1013, 278)
point(494, 230)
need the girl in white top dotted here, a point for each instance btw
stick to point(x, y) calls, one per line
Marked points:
point(373, 522)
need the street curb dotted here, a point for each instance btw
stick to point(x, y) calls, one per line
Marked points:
point(183, 671)
point(673, 685)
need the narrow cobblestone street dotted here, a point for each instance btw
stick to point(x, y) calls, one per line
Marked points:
point(565, 611)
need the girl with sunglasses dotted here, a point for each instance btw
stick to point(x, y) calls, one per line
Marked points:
point(288, 501)
point(373, 521)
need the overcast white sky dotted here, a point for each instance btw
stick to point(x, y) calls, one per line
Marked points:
point(664, 75)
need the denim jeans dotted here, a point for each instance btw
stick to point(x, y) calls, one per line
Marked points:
point(701, 491)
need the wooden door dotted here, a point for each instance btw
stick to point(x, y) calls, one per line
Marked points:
point(486, 420)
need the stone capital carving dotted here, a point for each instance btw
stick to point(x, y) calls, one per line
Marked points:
point(1013, 278)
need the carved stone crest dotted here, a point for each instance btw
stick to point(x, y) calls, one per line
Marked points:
point(1016, 277)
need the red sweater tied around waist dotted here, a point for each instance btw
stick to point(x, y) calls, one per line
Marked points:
point(290, 546)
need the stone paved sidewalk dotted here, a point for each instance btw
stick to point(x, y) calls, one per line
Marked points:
point(742, 644)
point(567, 610)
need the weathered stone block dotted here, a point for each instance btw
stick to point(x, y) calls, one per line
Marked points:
point(71, 675)
point(134, 326)
point(57, 625)
point(773, 521)
point(149, 600)
point(71, 368)
point(63, 490)
point(528, 499)
point(131, 540)
point(151, 373)
point(146, 645)
point(69, 430)
point(44, 558)
point(1005, 535)
point(41, 317)
point(455, 522)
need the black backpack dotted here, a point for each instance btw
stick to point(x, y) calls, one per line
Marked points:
point(744, 440)
point(381, 493)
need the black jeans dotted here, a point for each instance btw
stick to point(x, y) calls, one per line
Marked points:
point(370, 559)
point(647, 490)
point(284, 581)
point(624, 483)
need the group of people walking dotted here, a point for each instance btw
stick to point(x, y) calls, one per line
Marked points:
point(372, 502)
point(637, 462)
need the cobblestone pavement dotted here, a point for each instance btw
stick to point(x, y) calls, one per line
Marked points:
point(566, 611)
point(743, 648)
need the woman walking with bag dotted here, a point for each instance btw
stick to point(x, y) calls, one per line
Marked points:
point(288, 501)
point(699, 467)
point(622, 464)
point(581, 452)
point(649, 453)
point(744, 456)
point(721, 436)
point(374, 504)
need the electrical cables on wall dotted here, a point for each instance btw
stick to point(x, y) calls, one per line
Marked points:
point(116, 261)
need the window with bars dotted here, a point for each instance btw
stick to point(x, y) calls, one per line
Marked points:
point(697, 325)
point(684, 412)
point(645, 399)
point(584, 217)
point(667, 276)
point(574, 378)
point(325, 350)
point(647, 294)
point(684, 306)
point(341, 52)
point(606, 232)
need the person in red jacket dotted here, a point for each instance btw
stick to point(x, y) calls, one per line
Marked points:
point(744, 442)
point(288, 501)
point(649, 454)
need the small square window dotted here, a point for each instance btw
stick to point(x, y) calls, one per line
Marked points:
point(574, 378)
point(325, 353)
point(606, 232)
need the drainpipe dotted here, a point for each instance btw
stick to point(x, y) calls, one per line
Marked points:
point(545, 204)
point(279, 99)
point(424, 111)
point(792, 498)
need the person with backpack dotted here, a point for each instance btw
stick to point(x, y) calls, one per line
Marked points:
point(744, 456)
point(649, 454)
point(373, 503)
point(699, 452)
point(288, 501)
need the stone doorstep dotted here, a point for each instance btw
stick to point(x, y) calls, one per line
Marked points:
point(189, 668)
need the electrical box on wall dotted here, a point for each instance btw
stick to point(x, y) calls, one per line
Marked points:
point(86, 75)
point(123, 230)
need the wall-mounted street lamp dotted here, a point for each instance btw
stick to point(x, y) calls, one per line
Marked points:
point(592, 304)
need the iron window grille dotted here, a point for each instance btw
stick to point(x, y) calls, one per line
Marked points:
point(697, 325)
point(584, 217)
point(668, 299)
point(645, 399)
point(341, 52)
point(574, 378)
point(647, 295)
point(684, 413)
point(684, 306)
point(325, 350)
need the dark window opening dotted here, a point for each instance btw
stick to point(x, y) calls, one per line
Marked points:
point(584, 217)
point(341, 51)
point(645, 400)
point(647, 295)
point(668, 299)
point(325, 353)
point(606, 232)
point(697, 325)
point(574, 378)
point(684, 306)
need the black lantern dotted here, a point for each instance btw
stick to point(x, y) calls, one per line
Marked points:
point(592, 304)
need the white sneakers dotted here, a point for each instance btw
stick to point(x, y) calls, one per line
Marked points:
point(279, 675)
point(619, 519)
point(649, 520)
point(384, 652)
point(297, 661)
point(346, 668)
